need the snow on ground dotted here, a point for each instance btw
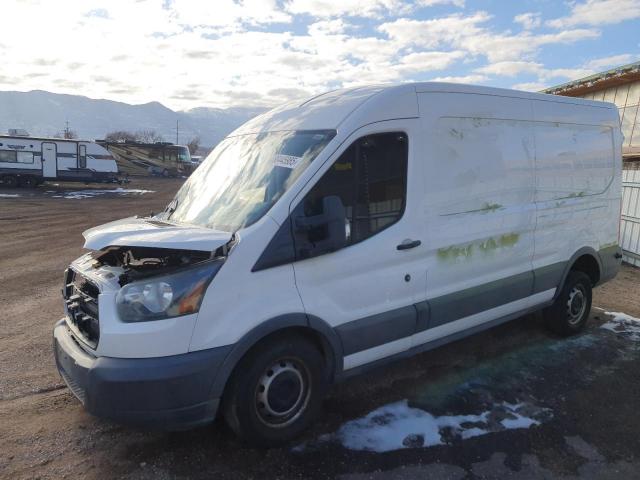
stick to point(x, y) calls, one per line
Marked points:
point(93, 193)
point(624, 325)
point(397, 425)
point(9, 195)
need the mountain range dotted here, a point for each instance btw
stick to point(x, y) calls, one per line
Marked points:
point(44, 113)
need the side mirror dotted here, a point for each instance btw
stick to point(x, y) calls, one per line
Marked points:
point(322, 233)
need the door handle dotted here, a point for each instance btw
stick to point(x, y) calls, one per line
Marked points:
point(407, 244)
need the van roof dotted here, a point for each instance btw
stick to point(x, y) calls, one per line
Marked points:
point(329, 110)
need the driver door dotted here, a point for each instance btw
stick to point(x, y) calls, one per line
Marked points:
point(367, 288)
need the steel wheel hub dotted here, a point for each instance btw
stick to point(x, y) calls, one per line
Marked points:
point(576, 305)
point(282, 393)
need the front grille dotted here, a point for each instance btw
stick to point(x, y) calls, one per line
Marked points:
point(81, 298)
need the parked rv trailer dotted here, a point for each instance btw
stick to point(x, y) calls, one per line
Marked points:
point(28, 161)
point(159, 158)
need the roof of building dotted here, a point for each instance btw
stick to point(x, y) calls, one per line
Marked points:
point(610, 78)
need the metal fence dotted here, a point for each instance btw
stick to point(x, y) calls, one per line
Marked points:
point(630, 220)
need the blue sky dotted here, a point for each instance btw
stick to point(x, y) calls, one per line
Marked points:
point(224, 53)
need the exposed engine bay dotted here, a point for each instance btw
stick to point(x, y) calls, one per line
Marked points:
point(141, 262)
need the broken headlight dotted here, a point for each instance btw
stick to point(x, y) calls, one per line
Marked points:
point(166, 296)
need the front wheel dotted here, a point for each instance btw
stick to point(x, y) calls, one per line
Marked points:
point(569, 314)
point(276, 391)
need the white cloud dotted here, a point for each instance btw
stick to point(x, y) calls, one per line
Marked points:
point(361, 8)
point(330, 8)
point(598, 12)
point(612, 61)
point(431, 3)
point(510, 68)
point(473, 78)
point(530, 86)
point(469, 32)
point(260, 53)
point(226, 13)
point(324, 27)
point(529, 20)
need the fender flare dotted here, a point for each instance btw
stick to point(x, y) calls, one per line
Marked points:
point(579, 253)
point(332, 345)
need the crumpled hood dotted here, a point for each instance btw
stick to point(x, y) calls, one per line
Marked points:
point(140, 232)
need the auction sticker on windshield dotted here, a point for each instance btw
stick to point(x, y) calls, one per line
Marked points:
point(286, 161)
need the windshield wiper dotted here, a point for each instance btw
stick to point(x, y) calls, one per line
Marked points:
point(173, 205)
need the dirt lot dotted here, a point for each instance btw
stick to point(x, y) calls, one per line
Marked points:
point(581, 395)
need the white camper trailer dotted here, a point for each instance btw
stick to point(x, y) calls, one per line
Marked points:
point(28, 161)
point(328, 236)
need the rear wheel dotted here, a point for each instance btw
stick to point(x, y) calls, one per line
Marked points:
point(28, 182)
point(276, 391)
point(9, 181)
point(569, 314)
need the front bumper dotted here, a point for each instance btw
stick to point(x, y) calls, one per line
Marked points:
point(168, 393)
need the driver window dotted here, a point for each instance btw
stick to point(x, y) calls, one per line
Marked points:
point(370, 178)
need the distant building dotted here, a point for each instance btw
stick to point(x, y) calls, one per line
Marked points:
point(621, 86)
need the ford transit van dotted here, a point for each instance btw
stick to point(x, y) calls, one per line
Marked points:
point(332, 235)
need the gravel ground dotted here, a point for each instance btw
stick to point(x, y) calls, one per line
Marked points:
point(580, 394)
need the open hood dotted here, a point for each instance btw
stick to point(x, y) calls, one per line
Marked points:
point(147, 232)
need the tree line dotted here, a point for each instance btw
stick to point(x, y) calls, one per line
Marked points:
point(140, 136)
point(146, 136)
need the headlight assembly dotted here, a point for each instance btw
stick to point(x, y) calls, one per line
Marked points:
point(167, 296)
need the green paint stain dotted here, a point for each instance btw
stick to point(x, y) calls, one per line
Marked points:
point(486, 208)
point(490, 207)
point(509, 240)
point(577, 195)
point(573, 195)
point(455, 252)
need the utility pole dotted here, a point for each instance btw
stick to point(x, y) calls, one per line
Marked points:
point(67, 133)
point(177, 132)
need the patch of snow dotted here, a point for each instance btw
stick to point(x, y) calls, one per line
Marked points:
point(9, 195)
point(623, 324)
point(397, 425)
point(93, 193)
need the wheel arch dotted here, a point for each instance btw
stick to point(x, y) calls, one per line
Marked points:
point(313, 327)
point(585, 259)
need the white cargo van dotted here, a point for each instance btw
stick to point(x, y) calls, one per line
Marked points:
point(328, 236)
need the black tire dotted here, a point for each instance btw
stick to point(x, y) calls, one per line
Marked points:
point(569, 314)
point(276, 391)
point(28, 182)
point(10, 181)
point(165, 173)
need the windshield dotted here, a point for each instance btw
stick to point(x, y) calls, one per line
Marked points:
point(244, 176)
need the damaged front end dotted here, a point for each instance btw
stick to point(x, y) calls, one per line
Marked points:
point(146, 283)
point(141, 262)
